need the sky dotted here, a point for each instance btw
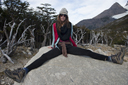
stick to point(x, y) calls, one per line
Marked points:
point(78, 9)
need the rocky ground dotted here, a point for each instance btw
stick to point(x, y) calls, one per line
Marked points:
point(20, 58)
point(23, 55)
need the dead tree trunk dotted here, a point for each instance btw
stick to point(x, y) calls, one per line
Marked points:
point(102, 37)
point(111, 40)
point(126, 42)
point(106, 39)
point(45, 32)
point(32, 38)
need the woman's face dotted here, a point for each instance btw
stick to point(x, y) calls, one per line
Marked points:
point(63, 17)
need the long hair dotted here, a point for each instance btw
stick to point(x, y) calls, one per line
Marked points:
point(59, 22)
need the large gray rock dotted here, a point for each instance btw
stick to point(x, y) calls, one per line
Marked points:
point(76, 70)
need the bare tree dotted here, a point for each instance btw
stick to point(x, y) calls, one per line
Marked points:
point(94, 37)
point(78, 35)
point(11, 42)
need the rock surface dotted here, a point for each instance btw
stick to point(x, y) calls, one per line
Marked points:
point(76, 70)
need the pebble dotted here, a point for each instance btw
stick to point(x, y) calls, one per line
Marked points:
point(2, 82)
point(24, 52)
point(29, 53)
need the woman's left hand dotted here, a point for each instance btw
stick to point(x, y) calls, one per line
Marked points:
point(49, 47)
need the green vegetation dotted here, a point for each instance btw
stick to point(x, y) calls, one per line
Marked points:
point(117, 30)
point(17, 10)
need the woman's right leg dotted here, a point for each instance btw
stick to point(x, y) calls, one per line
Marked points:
point(45, 57)
point(19, 74)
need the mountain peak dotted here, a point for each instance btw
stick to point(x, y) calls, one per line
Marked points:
point(115, 5)
point(116, 8)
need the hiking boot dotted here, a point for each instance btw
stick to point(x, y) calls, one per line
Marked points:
point(17, 75)
point(118, 58)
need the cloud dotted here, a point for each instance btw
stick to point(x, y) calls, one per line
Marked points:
point(78, 9)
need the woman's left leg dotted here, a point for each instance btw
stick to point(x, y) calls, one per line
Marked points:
point(79, 51)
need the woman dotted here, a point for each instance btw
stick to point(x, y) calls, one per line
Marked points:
point(62, 44)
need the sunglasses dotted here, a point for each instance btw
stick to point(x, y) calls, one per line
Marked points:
point(63, 15)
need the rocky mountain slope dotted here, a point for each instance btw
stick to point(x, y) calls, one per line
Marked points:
point(95, 23)
point(103, 18)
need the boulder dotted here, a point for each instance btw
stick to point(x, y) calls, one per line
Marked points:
point(100, 51)
point(76, 70)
